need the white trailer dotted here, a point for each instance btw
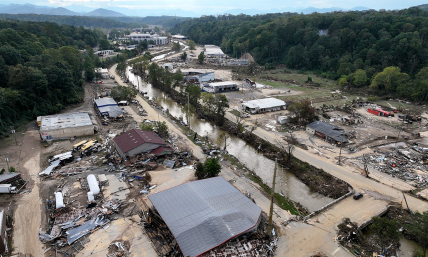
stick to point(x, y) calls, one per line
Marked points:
point(7, 189)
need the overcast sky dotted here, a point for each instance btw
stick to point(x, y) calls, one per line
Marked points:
point(223, 5)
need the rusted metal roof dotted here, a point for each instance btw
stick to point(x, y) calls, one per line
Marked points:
point(136, 137)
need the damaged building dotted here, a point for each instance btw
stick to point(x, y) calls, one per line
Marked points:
point(65, 126)
point(205, 214)
point(136, 141)
point(219, 87)
point(327, 131)
point(108, 107)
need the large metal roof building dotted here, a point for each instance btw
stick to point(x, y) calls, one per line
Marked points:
point(327, 131)
point(67, 125)
point(263, 105)
point(206, 213)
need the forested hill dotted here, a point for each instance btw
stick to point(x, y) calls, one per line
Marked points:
point(40, 68)
point(364, 42)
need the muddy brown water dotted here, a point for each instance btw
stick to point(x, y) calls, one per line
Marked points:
point(286, 183)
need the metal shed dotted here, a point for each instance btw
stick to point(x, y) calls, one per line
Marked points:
point(205, 214)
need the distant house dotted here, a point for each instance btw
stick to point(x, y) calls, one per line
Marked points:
point(167, 66)
point(104, 52)
point(103, 72)
point(264, 105)
point(327, 131)
point(136, 141)
point(323, 32)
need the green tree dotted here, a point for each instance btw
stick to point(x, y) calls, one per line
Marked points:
point(146, 126)
point(12, 169)
point(199, 172)
point(303, 112)
point(211, 168)
point(191, 44)
point(201, 58)
point(123, 93)
point(2, 171)
point(418, 229)
point(148, 56)
point(183, 56)
point(194, 93)
point(162, 129)
point(359, 78)
point(386, 231)
point(390, 80)
point(176, 47)
point(104, 44)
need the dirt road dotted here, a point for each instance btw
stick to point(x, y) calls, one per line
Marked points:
point(28, 214)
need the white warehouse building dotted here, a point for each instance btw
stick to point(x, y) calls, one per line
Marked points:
point(263, 105)
point(65, 126)
point(156, 38)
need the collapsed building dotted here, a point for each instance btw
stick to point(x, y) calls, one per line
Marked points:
point(136, 141)
point(263, 105)
point(65, 126)
point(205, 214)
point(327, 131)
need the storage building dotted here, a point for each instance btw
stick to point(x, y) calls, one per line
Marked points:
point(136, 141)
point(167, 66)
point(108, 107)
point(213, 51)
point(65, 126)
point(327, 131)
point(219, 87)
point(263, 105)
point(205, 214)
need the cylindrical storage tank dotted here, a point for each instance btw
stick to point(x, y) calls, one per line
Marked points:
point(90, 196)
point(93, 184)
point(59, 200)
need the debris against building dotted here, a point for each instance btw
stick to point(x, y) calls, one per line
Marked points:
point(327, 131)
point(263, 105)
point(65, 126)
point(136, 141)
point(205, 214)
point(108, 107)
point(219, 87)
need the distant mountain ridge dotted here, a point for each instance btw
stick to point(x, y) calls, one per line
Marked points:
point(121, 11)
point(34, 9)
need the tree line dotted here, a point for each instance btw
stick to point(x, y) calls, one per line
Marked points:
point(360, 48)
point(41, 67)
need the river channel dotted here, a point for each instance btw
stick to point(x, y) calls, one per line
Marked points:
point(286, 182)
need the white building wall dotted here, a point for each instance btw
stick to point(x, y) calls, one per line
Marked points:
point(67, 132)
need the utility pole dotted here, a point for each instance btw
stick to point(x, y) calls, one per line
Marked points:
point(13, 132)
point(188, 113)
point(406, 202)
point(340, 152)
point(269, 228)
point(7, 161)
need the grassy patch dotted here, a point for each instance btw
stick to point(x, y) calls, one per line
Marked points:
point(283, 202)
point(233, 161)
point(235, 112)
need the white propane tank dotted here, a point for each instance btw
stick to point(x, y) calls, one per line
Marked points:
point(90, 196)
point(93, 184)
point(59, 200)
